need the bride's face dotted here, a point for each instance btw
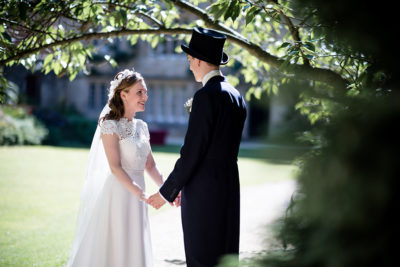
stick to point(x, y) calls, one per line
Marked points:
point(135, 97)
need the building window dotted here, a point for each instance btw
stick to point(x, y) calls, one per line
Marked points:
point(104, 94)
point(98, 95)
point(165, 103)
point(149, 113)
point(92, 96)
point(159, 110)
point(167, 46)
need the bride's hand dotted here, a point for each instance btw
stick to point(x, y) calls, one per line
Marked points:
point(156, 201)
point(144, 197)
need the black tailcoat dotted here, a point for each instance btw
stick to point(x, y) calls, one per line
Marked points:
point(207, 174)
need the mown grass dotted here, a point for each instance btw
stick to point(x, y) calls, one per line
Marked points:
point(39, 197)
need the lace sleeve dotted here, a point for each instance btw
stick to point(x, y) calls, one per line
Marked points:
point(108, 127)
point(144, 130)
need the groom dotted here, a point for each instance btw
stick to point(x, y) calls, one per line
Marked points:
point(207, 171)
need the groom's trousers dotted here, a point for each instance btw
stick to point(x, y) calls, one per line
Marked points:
point(210, 213)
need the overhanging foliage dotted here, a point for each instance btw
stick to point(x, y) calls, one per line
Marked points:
point(273, 41)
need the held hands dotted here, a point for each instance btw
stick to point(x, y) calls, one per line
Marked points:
point(157, 201)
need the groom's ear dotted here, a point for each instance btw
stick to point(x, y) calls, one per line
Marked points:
point(199, 62)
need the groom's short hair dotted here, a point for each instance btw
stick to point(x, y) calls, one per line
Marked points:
point(211, 65)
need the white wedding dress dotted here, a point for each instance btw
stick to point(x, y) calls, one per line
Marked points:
point(117, 231)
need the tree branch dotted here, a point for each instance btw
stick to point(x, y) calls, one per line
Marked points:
point(302, 71)
point(15, 24)
point(92, 36)
point(294, 31)
point(153, 19)
point(141, 13)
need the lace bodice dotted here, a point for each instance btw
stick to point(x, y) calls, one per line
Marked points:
point(134, 142)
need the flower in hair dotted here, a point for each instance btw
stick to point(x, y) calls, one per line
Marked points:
point(116, 82)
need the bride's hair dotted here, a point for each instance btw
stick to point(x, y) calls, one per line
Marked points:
point(115, 102)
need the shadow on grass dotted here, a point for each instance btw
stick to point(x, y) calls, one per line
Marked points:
point(273, 154)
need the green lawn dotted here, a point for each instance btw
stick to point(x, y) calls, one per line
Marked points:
point(40, 189)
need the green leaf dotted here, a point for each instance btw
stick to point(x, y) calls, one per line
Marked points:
point(248, 74)
point(86, 10)
point(57, 68)
point(155, 41)
point(233, 80)
point(73, 75)
point(112, 21)
point(231, 9)
point(309, 46)
point(236, 11)
point(6, 36)
point(81, 59)
point(253, 11)
point(77, 11)
point(4, 84)
point(48, 59)
point(168, 4)
point(249, 93)
point(133, 39)
point(111, 60)
point(258, 92)
point(219, 8)
point(122, 16)
point(283, 45)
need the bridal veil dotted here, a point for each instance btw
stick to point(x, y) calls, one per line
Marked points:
point(97, 172)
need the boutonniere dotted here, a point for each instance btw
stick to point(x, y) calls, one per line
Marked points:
point(188, 105)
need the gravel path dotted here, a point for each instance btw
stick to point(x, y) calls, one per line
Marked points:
point(260, 206)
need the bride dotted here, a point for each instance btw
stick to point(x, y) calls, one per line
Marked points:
point(113, 228)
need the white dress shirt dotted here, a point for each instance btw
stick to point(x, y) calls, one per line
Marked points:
point(209, 75)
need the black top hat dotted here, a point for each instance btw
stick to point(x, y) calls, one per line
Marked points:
point(207, 45)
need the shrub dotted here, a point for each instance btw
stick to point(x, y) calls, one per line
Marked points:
point(19, 127)
point(67, 128)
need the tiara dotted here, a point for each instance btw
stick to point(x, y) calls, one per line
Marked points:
point(116, 82)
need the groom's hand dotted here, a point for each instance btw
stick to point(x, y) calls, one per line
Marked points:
point(156, 201)
point(177, 201)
